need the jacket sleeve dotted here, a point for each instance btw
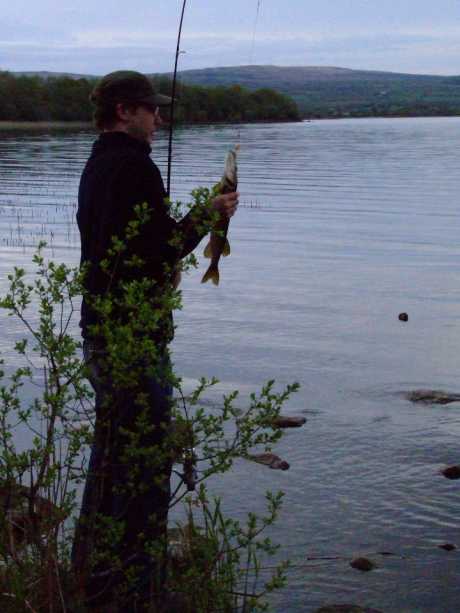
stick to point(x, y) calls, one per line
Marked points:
point(161, 240)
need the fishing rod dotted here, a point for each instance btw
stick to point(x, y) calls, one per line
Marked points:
point(174, 83)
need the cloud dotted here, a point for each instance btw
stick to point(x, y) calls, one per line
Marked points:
point(97, 51)
point(120, 38)
point(89, 61)
point(21, 32)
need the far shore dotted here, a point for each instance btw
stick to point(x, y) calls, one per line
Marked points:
point(88, 125)
point(44, 125)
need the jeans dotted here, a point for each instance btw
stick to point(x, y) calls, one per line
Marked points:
point(127, 491)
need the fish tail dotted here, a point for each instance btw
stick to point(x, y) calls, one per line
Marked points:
point(213, 274)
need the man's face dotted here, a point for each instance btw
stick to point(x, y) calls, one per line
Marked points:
point(142, 122)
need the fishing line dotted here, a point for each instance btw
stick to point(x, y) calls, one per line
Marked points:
point(256, 20)
point(173, 94)
point(251, 55)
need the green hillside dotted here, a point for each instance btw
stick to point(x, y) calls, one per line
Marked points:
point(341, 92)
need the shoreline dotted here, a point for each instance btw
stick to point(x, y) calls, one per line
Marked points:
point(346, 117)
point(310, 118)
point(44, 125)
point(88, 125)
point(23, 125)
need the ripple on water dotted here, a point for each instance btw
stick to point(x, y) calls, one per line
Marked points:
point(346, 224)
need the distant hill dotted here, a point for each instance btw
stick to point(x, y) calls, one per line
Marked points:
point(328, 91)
point(337, 92)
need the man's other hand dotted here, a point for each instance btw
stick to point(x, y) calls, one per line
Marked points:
point(226, 204)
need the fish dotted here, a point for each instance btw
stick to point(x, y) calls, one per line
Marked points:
point(218, 244)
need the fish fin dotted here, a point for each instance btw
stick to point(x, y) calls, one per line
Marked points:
point(207, 250)
point(226, 249)
point(213, 274)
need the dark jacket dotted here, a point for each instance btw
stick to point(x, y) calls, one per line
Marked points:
point(118, 175)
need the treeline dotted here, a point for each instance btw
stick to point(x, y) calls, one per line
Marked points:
point(36, 99)
point(384, 110)
point(32, 98)
point(390, 97)
point(229, 103)
point(391, 101)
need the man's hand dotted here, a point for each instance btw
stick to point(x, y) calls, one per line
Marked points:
point(226, 204)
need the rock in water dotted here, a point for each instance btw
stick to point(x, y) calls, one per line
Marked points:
point(433, 397)
point(363, 564)
point(346, 608)
point(386, 553)
point(452, 472)
point(284, 421)
point(447, 547)
point(271, 460)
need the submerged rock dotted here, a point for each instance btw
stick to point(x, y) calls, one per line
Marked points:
point(452, 472)
point(346, 608)
point(433, 397)
point(284, 421)
point(386, 553)
point(271, 460)
point(363, 564)
point(447, 547)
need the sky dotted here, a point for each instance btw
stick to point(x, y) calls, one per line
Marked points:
point(98, 36)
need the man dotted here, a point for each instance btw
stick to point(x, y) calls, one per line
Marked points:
point(118, 177)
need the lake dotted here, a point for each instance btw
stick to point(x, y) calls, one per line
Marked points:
point(342, 226)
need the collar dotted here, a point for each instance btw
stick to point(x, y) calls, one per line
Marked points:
point(122, 139)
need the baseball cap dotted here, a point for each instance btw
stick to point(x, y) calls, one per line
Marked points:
point(127, 86)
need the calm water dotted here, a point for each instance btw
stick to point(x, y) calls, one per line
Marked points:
point(342, 226)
